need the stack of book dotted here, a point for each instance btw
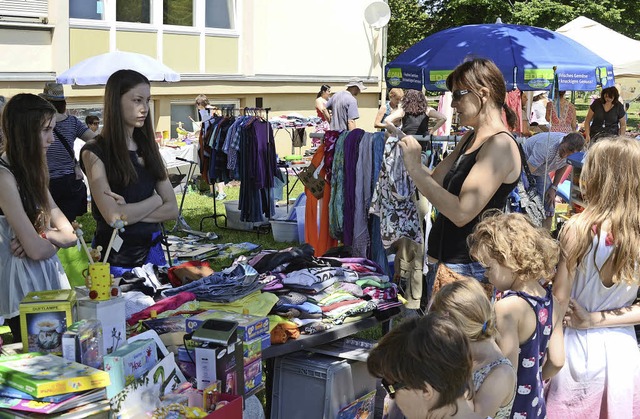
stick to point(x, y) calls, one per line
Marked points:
point(36, 384)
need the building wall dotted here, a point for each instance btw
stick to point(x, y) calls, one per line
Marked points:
point(280, 50)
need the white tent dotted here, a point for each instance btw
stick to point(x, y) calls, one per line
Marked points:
point(619, 50)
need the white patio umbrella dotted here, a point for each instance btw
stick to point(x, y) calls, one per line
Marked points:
point(98, 69)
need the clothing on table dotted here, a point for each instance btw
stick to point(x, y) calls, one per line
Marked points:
point(138, 238)
point(564, 121)
point(607, 122)
point(415, 124)
point(344, 107)
point(454, 248)
point(393, 199)
point(231, 284)
point(601, 374)
point(479, 375)
point(529, 401)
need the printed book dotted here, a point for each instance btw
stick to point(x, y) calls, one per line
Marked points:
point(41, 375)
point(46, 408)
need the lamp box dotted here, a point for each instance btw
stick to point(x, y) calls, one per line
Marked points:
point(251, 351)
point(111, 314)
point(44, 317)
point(249, 327)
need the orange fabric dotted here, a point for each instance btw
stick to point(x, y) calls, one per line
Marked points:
point(319, 239)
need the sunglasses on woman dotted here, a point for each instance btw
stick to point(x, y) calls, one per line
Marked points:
point(457, 94)
point(391, 389)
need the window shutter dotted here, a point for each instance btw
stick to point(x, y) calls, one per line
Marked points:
point(37, 9)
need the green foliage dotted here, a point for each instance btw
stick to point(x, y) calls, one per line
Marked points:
point(413, 20)
point(409, 24)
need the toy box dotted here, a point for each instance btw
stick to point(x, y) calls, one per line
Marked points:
point(40, 374)
point(252, 376)
point(83, 343)
point(111, 314)
point(252, 350)
point(44, 316)
point(222, 363)
point(129, 362)
point(249, 327)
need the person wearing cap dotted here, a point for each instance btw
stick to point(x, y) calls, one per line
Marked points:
point(538, 114)
point(66, 185)
point(345, 106)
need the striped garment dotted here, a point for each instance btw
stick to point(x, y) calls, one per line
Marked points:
point(58, 158)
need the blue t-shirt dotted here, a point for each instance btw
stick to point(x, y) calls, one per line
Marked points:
point(345, 107)
point(59, 160)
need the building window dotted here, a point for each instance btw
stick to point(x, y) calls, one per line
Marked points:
point(180, 112)
point(219, 14)
point(86, 9)
point(177, 12)
point(136, 11)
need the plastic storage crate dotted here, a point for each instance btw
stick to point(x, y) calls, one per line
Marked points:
point(314, 386)
point(284, 231)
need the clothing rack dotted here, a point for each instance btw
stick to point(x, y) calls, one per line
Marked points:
point(232, 111)
point(421, 138)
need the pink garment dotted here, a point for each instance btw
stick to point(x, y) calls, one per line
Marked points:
point(169, 303)
point(564, 121)
point(444, 107)
point(514, 102)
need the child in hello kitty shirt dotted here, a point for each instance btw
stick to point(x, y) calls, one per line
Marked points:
point(518, 256)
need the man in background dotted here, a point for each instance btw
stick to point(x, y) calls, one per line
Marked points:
point(345, 106)
point(93, 122)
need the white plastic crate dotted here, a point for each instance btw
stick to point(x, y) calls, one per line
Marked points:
point(285, 231)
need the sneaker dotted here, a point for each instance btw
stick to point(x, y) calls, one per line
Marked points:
point(221, 196)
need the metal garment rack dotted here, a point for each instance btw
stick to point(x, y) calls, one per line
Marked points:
point(237, 112)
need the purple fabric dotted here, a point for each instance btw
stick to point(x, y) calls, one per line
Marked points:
point(363, 261)
point(351, 146)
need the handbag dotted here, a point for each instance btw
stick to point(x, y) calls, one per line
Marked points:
point(531, 203)
point(311, 179)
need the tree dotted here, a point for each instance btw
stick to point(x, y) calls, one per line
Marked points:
point(409, 24)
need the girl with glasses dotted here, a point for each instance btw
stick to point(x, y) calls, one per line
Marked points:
point(425, 366)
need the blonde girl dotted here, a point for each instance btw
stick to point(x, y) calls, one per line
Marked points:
point(517, 257)
point(494, 378)
point(598, 277)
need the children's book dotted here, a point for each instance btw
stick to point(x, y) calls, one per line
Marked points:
point(48, 407)
point(93, 409)
point(41, 375)
point(362, 408)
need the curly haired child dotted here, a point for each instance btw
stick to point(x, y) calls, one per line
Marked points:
point(517, 257)
point(494, 378)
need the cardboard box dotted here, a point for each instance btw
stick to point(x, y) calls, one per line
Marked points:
point(222, 363)
point(252, 376)
point(41, 375)
point(112, 315)
point(128, 363)
point(44, 317)
point(249, 327)
point(251, 351)
point(233, 410)
point(83, 343)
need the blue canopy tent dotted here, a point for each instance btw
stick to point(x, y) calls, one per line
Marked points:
point(526, 55)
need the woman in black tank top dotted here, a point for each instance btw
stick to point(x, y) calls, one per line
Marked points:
point(478, 175)
point(414, 114)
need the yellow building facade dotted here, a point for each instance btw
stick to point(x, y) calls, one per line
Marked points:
point(245, 53)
